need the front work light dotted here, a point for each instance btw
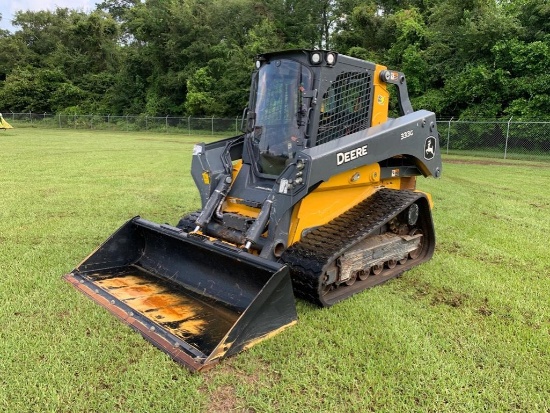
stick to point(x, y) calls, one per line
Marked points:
point(315, 58)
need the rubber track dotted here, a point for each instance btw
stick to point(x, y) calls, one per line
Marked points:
point(188, 222)
point(309, 258)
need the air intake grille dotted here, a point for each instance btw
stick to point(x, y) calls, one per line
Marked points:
point(345, 107)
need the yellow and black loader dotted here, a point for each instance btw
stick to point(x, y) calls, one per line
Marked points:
point(316, 198)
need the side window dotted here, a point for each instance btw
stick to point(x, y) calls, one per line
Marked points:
point(281, 111)
point(345, 108)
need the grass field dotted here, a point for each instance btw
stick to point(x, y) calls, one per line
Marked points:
point(468, 331)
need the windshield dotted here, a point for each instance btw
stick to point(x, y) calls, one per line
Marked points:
point(280, 113)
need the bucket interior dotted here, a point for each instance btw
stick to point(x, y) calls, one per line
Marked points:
point(201, 297)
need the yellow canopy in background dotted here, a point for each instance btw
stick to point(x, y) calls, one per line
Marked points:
point(4, 124)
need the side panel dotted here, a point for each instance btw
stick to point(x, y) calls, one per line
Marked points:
point(333, 198)
point(414, 135)
point(339, 194)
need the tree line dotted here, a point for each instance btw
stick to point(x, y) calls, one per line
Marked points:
point(462, 58)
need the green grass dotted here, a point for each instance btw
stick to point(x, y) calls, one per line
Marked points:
point(468, 331)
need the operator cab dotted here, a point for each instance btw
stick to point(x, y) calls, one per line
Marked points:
point(280, 113)
point(303, 98)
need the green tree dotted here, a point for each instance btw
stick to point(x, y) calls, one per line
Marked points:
point(458, 49)
point(160, 57)
point(60, 59)
point(528, 79)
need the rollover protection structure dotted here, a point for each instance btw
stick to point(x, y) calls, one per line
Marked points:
point(317, 197)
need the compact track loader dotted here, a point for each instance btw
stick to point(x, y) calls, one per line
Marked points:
point(316, 197)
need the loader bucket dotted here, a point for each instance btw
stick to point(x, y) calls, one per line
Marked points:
point(197, 300)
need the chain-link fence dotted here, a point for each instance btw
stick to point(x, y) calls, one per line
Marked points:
point(497, 138)
point(169, 124)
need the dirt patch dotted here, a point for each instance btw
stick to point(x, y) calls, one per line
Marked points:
point(452, 247)
point(484, 308)
point(490, 215)
point(223, 395)
point(539, 206)
point(166, 140)
point(494, 162)
point(449, 297)
point(439, 295)
point(223, 399)
point(473, 162)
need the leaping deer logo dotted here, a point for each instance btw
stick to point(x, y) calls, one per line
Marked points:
point(429, 148)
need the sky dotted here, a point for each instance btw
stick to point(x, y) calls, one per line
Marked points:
point(9, 7)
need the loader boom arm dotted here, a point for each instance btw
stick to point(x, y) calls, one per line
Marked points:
point(408, 135)
point(413, 136)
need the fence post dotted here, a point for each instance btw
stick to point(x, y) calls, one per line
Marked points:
point(236, 125)
point(91, 121)
point(449, 133)
point(127, 123)
point(12, 116)
point(212, 125)
point(30, 116)
point(189, 125)
point(507, 136)
point(59, 118)
point(166, 123)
